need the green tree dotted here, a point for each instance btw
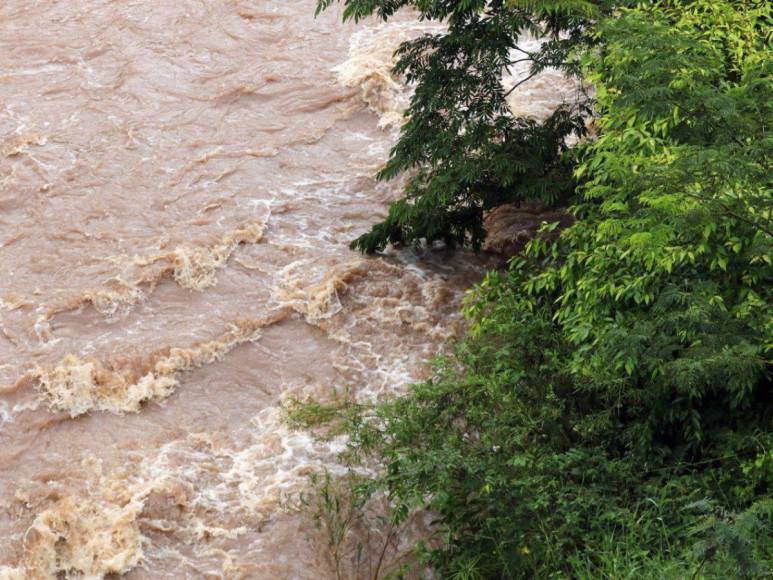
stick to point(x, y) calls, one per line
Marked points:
point(462, 147)
point(663, 284)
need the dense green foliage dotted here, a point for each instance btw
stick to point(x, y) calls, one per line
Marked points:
point(463, 148)
point(610, 412)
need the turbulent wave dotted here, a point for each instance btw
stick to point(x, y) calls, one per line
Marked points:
point(20, 144)
point(386, 295)
point(369, 66)
point(83, 537)
point(80, 385)
point(12, 302)
point(510, 227)
point(192, 267)
point(316, 300)
point(195, 268)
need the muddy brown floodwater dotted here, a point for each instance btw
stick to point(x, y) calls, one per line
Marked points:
point(179, 181)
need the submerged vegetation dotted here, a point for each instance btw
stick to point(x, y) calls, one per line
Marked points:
point(609, 413)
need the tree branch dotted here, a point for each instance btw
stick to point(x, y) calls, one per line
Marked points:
point(519, 83)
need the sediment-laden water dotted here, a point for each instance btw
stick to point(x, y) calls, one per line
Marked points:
point(178, 185)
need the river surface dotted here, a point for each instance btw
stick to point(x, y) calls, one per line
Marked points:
point(179, 181)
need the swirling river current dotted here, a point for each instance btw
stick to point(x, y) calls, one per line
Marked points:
point(179, 182)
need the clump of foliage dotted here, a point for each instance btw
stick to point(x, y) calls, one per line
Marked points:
point(463, 148)
point(609, 413)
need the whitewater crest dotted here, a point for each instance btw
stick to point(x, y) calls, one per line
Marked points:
point(316, 300)
point(79, 385)
point(83, 537)
point(190, 266)
point(196, 268)
point(12, 302)
point(370, 63)
point(96, 534)
point(117, 296)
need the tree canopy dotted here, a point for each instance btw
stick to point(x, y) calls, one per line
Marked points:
point(463, 149)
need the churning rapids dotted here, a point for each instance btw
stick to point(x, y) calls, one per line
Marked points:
point(179, 181)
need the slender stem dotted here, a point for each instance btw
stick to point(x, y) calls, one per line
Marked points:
point(381, 556)
point(698, 569)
